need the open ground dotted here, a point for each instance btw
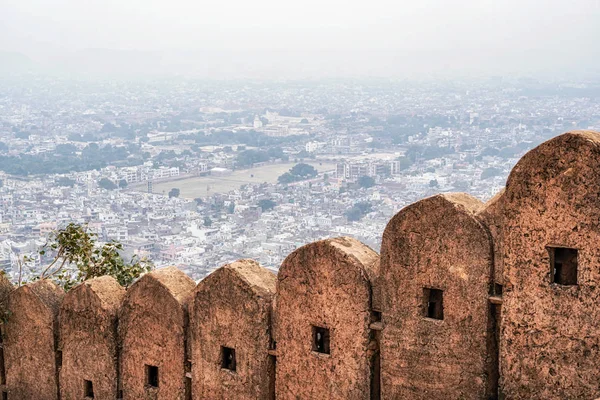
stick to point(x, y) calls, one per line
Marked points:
point(202, 186)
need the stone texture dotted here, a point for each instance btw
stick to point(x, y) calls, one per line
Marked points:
point(437, 243)
point(88, 339)
point(232, 308)
point(325, 284)
point(152, 329)
point(31, 341)
point(550, 338)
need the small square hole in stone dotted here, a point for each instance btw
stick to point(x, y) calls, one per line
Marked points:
point(563, 265)
point(151, 376)
point(88, 388)
point(228, 358)
point(433, 303)
point(321, 340)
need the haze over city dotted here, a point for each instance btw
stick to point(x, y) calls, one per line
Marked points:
point(270, 39)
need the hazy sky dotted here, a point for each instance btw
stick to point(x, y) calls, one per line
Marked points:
point(312, 37)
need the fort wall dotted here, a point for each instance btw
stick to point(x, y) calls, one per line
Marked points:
point(467, 301)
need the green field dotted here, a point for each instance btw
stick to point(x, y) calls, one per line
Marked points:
point(202, 186)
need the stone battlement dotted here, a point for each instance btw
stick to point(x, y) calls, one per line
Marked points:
point(466, 301)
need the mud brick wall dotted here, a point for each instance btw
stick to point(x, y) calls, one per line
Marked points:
point(492, 214)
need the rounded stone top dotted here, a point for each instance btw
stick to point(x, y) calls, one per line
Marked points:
point(172, 279)
point(249, 273)
point(105, 289)
point(46, 291)
point(461, 203)
point(561, 157)
point(343, 248)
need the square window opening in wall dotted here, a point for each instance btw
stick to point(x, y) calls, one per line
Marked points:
point(563, 265)
point(151, 376)
point(433, 303)
point(321, 340)
point(88, 389)
point(4, 395)
point(228, 360)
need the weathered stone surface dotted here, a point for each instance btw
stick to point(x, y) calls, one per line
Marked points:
point(232, 309)
point(437, 243)
point(88, 339)
point(326, 284)
point(550, 338)
point(31, 341)
point(152, 326)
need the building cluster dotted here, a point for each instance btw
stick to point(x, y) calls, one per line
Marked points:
point(412, 139)
point(467, 300)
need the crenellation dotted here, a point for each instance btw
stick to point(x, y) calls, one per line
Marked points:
point(550, 337)
point(466, 301)
point(436, 269)
point(324, 305)
point(30, 346)
point(231, 336)
point(88, 339)
point(152, 324)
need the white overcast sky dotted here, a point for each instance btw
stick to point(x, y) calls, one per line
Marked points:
point(345, 37)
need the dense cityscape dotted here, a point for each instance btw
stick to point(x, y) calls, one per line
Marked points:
point(200, 173)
